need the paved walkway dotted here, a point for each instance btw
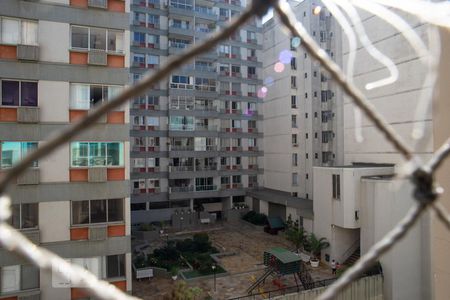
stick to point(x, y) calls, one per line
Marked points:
point(249, 244)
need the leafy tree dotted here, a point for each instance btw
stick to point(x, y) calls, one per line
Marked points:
point(201, 242)
point(296, 236)
point(317, 245)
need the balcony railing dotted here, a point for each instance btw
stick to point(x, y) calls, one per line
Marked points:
point(206, 127)
point(181, 189)
point(182, 86)
point(206, 168)
point(205, 11)
point(181, 148)
point(204, 188)
point(181, 127)
point(181, 168)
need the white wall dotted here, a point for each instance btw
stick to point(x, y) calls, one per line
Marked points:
point(384, 203)
point(54, 221)
point(49, 49)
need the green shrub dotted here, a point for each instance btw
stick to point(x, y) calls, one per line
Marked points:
point(255, 218)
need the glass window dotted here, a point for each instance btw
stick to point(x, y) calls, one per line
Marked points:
point(97, 38)
point(80, 37)
point(115, 266)
point(25, 215)
point(97, 154)
point(29, 93)
point(10, 279)
point(10, 31)
point(13, 152)
point(79, 96)
point(95, 94)
point(153, 121)
point(10, 93)
point(115, 41)
point(115, 155)
point(80, 154)
point(29, 33)
point(98, 211)
point(80, 212)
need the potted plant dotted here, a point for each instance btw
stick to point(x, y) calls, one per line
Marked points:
point(174, 273)
point(317, 245)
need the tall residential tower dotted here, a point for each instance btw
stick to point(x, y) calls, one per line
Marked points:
point(58, 59)
point(195, 138)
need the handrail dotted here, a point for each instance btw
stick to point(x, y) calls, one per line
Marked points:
point(351, 249)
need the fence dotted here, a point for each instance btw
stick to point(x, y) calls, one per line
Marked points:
point(426, 192)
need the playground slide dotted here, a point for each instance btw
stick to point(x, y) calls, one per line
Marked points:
point(259, 280)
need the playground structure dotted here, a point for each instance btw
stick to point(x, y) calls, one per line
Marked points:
point(281, 262)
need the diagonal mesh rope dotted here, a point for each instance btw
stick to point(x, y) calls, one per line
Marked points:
point(426, 191)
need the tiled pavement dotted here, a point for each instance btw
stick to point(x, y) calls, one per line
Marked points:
point(249, 244)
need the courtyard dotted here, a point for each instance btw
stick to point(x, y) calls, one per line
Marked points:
point(242, 246)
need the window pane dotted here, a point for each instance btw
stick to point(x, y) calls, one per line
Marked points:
point(14, 221)
point(30, 215)
point(115, 266)
point(79, 96)
point(96, 94)
point(115, 154)
point(97, 154)
point(112, 91)
point(98, 39)
point(80, 212)
point(115, 41)
point(10, 279)
point(115, 210)
point(10, 31)
point(29, 33)
point(29, 93)
point(10, 154)
point(79, 154)
point(80, 37)
point(98, 211)
point(26, 148)
point(10, 92)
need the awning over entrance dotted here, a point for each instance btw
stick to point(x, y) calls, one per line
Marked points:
point(304, 206)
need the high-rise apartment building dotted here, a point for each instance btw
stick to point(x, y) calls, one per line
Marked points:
point(196, 137)
point(357, 203)
point(302, 115)
point(58, 59)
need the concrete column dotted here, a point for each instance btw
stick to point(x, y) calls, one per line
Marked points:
point(191, 204)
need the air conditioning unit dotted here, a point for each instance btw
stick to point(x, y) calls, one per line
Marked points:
point(98, 233)
point(98, 58)
point(28, 114)
point(27, 52)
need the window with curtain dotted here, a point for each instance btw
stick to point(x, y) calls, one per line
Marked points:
point(95, 154)
point(16, 31)
point(91, 38)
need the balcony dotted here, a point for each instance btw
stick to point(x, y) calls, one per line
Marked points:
point(181, 168)
point(181, 127)
point(181, 86)
point(252, 41)
point(181, 9)
point(152, 190)
point(231, 148)
point(181, 189)
point(145, 170)
point(232, 129)
point(252, 76)
point(252, 130)
point(206, 167)
point(252, 58)
point(205, 13)
point(253, 148)
point(181, 148)
point(205, 188)
point(188, 31)
point(206, 127)
point(230, 167)
point(138, 148)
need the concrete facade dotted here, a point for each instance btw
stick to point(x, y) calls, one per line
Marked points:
point(41, 95)
point(302, 108)
point(196, 138)
point(413, 268)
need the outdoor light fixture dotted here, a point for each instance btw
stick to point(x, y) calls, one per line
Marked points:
point(317, 10)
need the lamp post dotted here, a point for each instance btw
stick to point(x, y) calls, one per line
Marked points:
point(214, 270)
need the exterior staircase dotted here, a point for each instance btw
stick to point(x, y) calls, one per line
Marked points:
point(353, 257)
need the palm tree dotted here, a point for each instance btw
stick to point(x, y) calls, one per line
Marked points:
point(317, 245)
point(296, 236)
